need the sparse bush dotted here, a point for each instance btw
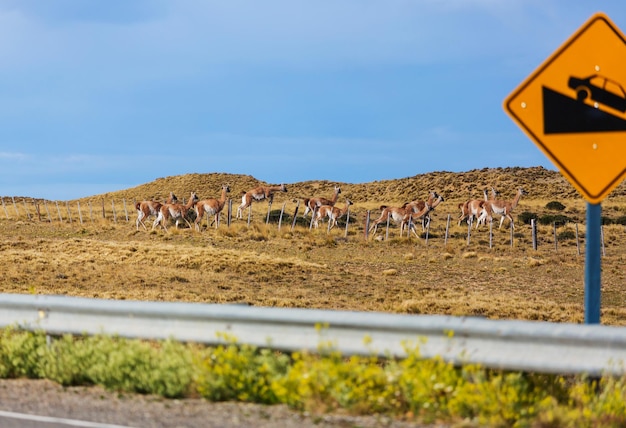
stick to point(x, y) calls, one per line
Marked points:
point(606, 220)
point(19, 354)
point(566, 235)
point(422, 390)
point(555, 206)
point(609, 221)
point(242, 373)
point(557, 219)
point(120, 364)
point(526, 217)
point(275, 216)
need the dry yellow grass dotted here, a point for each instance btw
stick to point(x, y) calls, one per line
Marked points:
point(261, 265)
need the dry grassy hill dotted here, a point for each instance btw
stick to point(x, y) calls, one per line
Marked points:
point(499, 276)
point(541, 186)
point(538, 182)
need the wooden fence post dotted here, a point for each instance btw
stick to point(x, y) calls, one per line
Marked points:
point(230, 212)
point(37, 210)
point(45, 204)
point(387, 227)
point(313, 214)
point(269, 208)
point(59, 211)
point(114, 213)
point(295, 215)
point(345, 234)
point(80, 214)
point(6, 213)
point(69, 214)
point(26, 209)
point(17, 213)
point(602, 240)
point(280, 218)
point(577, 241)
point(556, 240)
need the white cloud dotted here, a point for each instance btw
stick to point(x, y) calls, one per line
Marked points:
point(13, 156)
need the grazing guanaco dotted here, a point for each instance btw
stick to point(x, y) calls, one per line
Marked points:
point(333, 213)
point(418, 205)
point(147, 208)
point(473, 208)
point(258, 194)
point(211, 206)
point(176, 212)
point(397, 214)
point(501, 208)
point(411, 217)
point(310, 204)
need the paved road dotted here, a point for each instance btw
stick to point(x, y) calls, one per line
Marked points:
point(23, 420)
point(97, 408)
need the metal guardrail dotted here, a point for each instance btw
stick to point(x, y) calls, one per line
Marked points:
point(513, 345)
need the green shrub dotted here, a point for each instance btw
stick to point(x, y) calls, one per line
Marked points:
point(621, 220)
point(331, 382)
point(67, 360)
point(558, 219)
point(412, 388)
point(566, 235)
point(162, 368)
point(20, 353)
point(242, 373)
point(526, 217)
point(608, 220)
point(555, 206)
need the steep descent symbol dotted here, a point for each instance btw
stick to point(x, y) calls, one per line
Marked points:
point(573, 106)
point(563, 114)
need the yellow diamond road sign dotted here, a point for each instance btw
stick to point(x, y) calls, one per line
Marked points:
point(574, 108)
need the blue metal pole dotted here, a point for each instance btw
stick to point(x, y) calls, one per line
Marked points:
point(593, 264)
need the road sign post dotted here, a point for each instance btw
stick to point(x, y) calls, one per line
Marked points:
point(593, 264)
point(574, 108)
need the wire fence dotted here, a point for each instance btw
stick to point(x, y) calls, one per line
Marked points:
point(287, 216)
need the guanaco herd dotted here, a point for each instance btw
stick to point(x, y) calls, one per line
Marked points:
point(480, 211)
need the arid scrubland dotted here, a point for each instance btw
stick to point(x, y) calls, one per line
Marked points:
point(101, 254)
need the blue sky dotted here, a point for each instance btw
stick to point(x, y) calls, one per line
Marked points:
point(100, 95)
